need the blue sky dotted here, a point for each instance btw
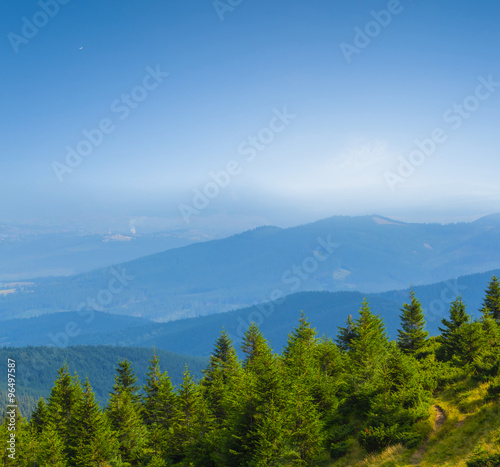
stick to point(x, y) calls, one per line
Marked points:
point(352, 116)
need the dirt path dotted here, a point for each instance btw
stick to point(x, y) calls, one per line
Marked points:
point(440, 419)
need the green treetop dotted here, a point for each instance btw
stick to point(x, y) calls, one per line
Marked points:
point(412, 337)
point(491, 302)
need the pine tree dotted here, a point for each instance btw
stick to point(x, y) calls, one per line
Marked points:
point(346, 334)
point(40, 416)
point(191, 424)
point(449, 333)
point(63, 399)
point(330, 379)
point(367, 351)
point(271, 437)
point(253, 343)
point(397, 403)
point(51, 448)
point(91, 439)
point(264, 387)
point(299, 353)
point(158, 404)
point(305, 427)
point(412, 337)
point(491, 302)
point(471, 342)
point(370, 342)
point(125, 380)
point(28, 445)
point(124, 412)
point(221, 376)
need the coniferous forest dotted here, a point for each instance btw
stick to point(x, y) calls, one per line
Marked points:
point(358, 399)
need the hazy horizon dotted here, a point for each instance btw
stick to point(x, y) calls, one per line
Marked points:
point(202, 117)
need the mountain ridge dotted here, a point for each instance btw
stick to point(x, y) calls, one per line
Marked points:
point(339, 253)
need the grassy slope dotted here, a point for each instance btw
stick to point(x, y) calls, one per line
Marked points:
point(472, 424)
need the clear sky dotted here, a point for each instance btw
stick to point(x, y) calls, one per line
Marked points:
point(309, 108)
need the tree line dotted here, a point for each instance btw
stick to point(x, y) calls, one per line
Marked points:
point(306, 407)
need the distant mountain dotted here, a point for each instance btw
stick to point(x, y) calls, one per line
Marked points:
point(196, 336)
point(28, 253)
point(37, 368)
point(369, 254)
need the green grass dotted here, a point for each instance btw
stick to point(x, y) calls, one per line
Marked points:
point(472, 425)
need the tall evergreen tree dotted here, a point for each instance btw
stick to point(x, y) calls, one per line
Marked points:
point(253, 344)
point(255, 427)
point(124, 412)
point(301, 417)
point(221, 377)
point(299, 353)
point(470, 342)
point(305, 428)
point(412, 337)
point(367, 351)
point(51, 450)
point(491, 302)
point(63, 400)
point(191, 423)
point(158, 404)
point(91, 439)
point(450, 337)
point(126, 380)
point(370, 342)
point(346, 334)
point(40, 416)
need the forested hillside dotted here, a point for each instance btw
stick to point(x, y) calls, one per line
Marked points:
point(37, 368)
point(326, 310)
point(360, 399)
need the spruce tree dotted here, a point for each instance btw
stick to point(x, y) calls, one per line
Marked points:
point(305, 427)
point(40, 416)
point(221, 377)
point(329, 380)
point(491, 302)
point(91, 439)
point(346, 334)
point(370, 342)
point(124, 412)
point(158, 404)
point(51, 450)
point(299, 353)
point(367, 351)
point(450, 337)
point(472, 341)
point(412, 337)
point(126, 380)
point(255, 426)
point(253, 344)
point(191, 424)
point(63, 399)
